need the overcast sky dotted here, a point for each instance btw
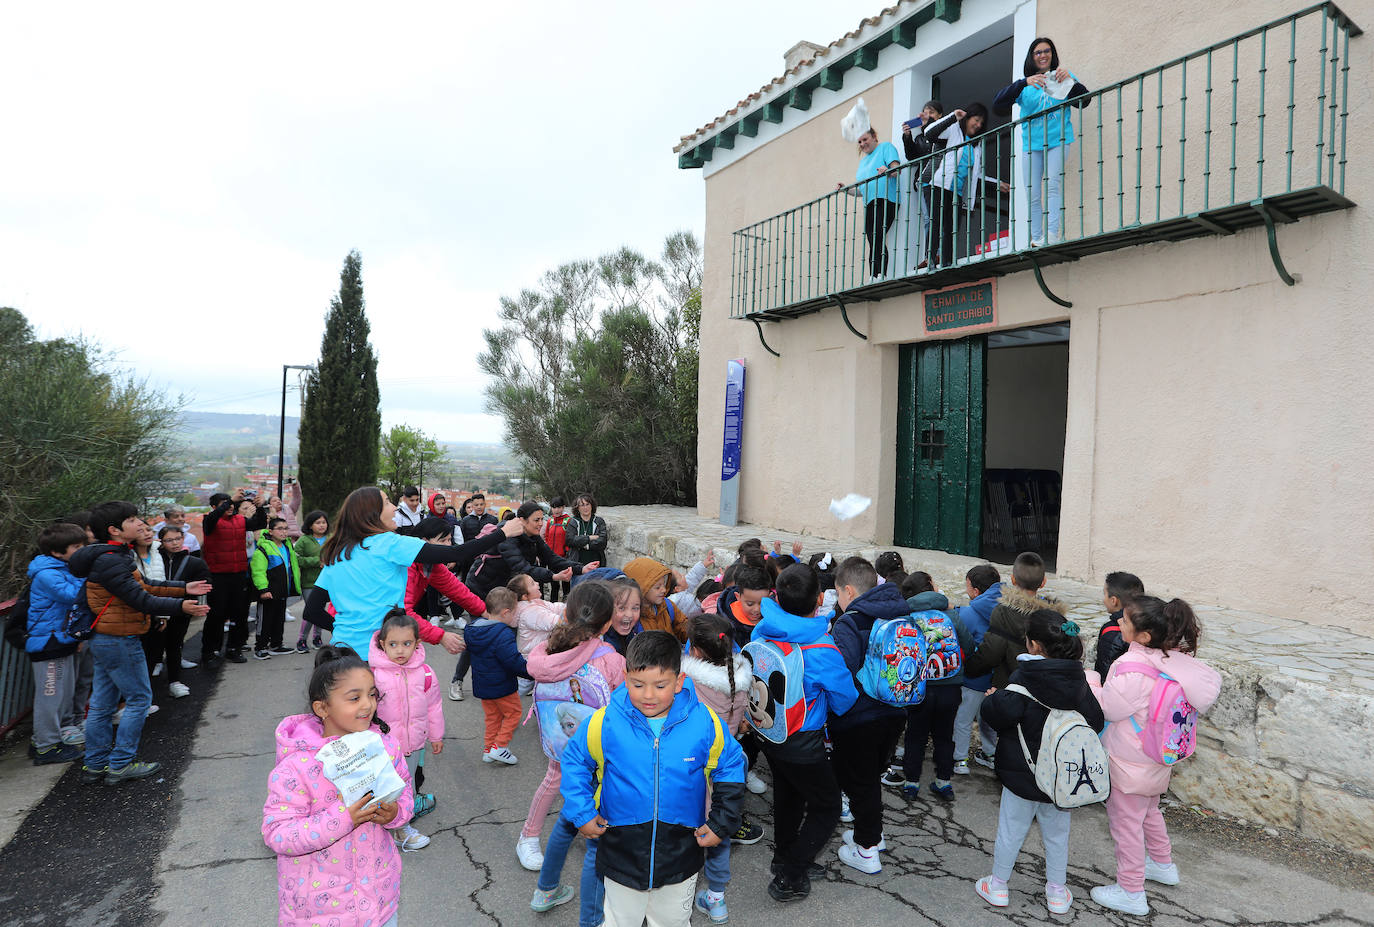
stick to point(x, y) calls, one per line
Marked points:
point(181, 183)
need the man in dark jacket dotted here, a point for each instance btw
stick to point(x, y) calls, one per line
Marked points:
point(122, 603)
point(477, 517)
point(863, 737)
point(225, 551)
point(1119, 589)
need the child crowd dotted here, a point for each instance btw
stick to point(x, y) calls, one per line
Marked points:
point(656, 694)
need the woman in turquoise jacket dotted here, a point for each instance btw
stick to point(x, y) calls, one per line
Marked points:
point(1044, 95)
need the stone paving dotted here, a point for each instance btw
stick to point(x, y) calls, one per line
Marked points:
point(1280, 736)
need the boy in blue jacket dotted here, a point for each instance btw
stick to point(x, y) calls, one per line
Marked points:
point(53, 590)
point(806, 804)
point(636, 774)
point(983, 584)
point(496, 664)
point(864, 736)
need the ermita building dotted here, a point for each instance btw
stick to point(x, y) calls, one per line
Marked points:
point(1177, 379)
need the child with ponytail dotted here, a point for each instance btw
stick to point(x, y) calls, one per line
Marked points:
point(1162, 638)
point(576, 657)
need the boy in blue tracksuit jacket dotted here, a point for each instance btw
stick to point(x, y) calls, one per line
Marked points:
point(806, 801)
point(53, 590)
point(984, 587)
point(652, 748)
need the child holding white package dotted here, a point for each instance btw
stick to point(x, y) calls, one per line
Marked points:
point(322, 862)
point(410, 703)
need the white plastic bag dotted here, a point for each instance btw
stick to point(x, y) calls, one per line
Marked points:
point(850, 506)
point(855, 122)
point(357, 764)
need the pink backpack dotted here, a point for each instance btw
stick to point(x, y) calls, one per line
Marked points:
point(1170, 730)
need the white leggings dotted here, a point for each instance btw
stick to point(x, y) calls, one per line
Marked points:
point(1046, 167)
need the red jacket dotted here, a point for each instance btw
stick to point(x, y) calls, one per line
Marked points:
point(420, 577)
point(225, 548)
point(556, 533)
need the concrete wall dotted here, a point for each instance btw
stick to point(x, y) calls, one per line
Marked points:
point(1217, 420)
point(1027, 407)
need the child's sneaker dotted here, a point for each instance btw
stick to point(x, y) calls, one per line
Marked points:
point(90, 775)
point(982, 759)
point(748, 833)
point(301, 647)
point(911, 791)
point(130, 772)
point(961, 767)
point(1163, 873)
point(846, 816)
point(261, 654)
point(500, 755)
point(1118, 899)
point(783, 889)
point(754, 784)
point(424, 804)
point(1058, 898)
point(894, 776)
point(548, 900)
point(944, 791)
point(408, 840)
point(861, 859)
point(713, 908)
point(281, 650)
point(527, 851)
point(178, 690)
point(990, 891)
point(899, 753)
point(316, 642)
point(74, 735)
point(455, 692)
point(58, 753)
point(848, 839)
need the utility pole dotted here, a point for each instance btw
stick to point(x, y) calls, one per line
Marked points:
point(281, 437)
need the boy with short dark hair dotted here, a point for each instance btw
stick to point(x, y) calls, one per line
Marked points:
point(983, 585)
point(1006, 636)
point(864, 736)
point(57, 736)
point(276, 573)
point(555, 534)
point(806, 795)
point(496, 665)
point(741, 603)
point(122, 603)
point(1117, 591)
point(637, 775)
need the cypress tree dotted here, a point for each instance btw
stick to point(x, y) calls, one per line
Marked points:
point(341, 425)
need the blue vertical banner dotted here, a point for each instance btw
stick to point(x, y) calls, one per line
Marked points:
point(733, 444)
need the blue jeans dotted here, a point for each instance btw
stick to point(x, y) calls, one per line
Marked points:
point(593, 891)
point(121, 671)
point(717, 868)
point(1046, 166)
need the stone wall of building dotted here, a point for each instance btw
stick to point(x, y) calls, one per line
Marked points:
point(1285, 745)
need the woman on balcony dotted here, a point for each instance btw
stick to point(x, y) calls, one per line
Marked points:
point(1046, 131)
point(880, 196)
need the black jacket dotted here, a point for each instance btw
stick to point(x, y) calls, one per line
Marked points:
point(1109, 645)
point(471, 525)
point(580, 545)
point(851, 631)
point(1057, 683)
point(923, 142)
point(525, 553)
point(184, 566)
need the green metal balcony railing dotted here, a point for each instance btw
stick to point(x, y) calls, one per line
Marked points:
point(1245, 132)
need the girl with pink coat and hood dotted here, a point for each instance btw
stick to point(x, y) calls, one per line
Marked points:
point(331, 870)
point(1163, 636)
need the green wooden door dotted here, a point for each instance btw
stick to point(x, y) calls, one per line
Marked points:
point(940, 407)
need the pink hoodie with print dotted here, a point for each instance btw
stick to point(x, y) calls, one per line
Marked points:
point(328, 871)
point(556, 667)
point(411, 705)
point(1126, 695)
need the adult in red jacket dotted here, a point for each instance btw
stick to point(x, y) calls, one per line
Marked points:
point(225, 550)
point(422, 576)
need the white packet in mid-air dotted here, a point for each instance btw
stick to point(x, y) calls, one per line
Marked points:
point(358, 763)
point(850, 506)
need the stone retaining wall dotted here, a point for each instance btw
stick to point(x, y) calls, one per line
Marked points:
point(1287, 744)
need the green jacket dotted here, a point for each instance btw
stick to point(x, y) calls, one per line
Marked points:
point(307, 549)
point(275, 569)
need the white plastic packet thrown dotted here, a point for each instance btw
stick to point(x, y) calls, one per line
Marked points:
point(855, 122)
point(850, 506)
point(357, 764)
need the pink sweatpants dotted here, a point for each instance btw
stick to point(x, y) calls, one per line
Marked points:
point(1137, 826)
point(543, 801)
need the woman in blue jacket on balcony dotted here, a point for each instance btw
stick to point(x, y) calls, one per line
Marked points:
point(879, 160)
point(1046, 131)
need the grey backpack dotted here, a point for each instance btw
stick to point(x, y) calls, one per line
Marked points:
point(1072, 766)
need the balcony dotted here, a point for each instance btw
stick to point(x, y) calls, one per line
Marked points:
point(1250, 131)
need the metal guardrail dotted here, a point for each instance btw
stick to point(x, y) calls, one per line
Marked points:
point(1249, 131)
point(16, 681)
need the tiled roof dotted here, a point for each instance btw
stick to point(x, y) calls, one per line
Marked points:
point(765, 92)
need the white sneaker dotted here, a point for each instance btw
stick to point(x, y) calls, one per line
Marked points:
point(862, 860)
point(408, 840)
point(846, 816)
point(455, 690)
point(961, 767)
point(117, 717)
point(848, 838)
point(1058, 898)
point(500, 755)
point(290, 617)
point(754, 784)
point(1163, 873)
point(178, 690)
point(189, 664)
point(527, 850)
point(152, 710)
point(1118, 899)
point(157, 670)
point(74, 735)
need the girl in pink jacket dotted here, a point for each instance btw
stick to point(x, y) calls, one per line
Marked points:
point(335, 864)
point(535, 617)
point(574, 653)
point(1163, 636)
point(411, 704)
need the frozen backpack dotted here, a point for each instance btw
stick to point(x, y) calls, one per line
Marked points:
point(563, 706)
point(943, 656)
point(1170, 730)
point(893, 670)
point(777, 704)
point(1072, 766)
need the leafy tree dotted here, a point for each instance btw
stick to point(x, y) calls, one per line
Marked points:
point(407, 455)
point(75, 431)
point(595, 375)
point(341, 425)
